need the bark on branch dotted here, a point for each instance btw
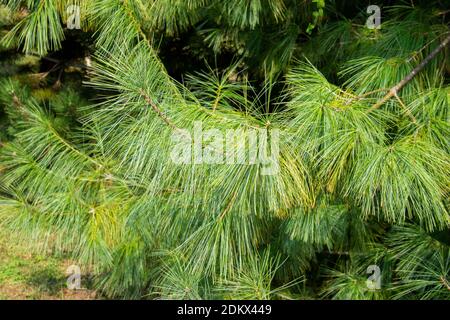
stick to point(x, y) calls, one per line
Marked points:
point(157, 110)
point(394, 90)
point(445, 283)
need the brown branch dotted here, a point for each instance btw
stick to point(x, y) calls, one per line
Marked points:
point(63, 63)
point(362, 96)
point(19, 105)
point(394, 90)
point(157, 110)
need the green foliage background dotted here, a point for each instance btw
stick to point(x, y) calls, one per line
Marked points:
point(88, 115)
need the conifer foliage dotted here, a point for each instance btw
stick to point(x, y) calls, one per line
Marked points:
point(359, 180)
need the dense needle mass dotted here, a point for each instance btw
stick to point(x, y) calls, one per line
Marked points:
point(328, 171)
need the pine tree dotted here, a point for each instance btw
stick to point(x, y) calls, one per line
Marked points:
point(362, 175)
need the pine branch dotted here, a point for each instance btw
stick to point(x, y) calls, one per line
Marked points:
point(64, 63)
point(18, 103)
point(157, 110)
point(136, 24)
point(408, 112)
point(394, 90)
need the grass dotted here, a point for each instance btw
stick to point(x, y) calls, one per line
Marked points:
point(32, 276)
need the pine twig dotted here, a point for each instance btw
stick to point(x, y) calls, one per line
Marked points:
point(19, 105)
point(408, 112)
point(394, 90)
point(157, 110)
point(445, 282)
point(229, 205)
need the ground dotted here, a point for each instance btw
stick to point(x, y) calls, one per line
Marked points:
point(25, 275)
